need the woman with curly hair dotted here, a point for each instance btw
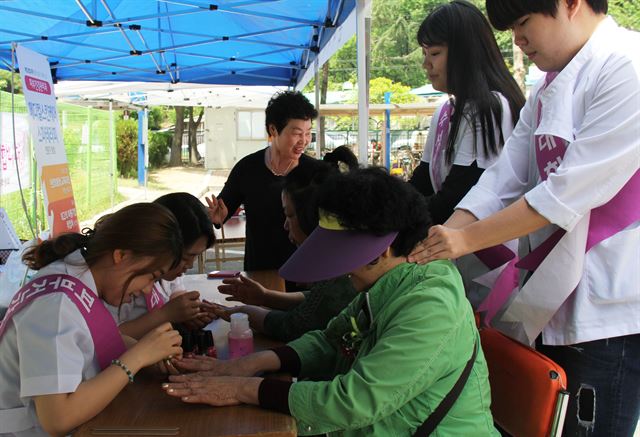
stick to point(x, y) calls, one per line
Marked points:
point(384, 364)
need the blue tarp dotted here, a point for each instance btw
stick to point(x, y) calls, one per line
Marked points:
point(235, 42)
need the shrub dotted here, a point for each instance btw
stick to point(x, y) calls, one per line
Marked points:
point(127, 146)
point(159, 145)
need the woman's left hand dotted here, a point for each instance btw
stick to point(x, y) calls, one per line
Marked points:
point(218, 391)
point(217, 209)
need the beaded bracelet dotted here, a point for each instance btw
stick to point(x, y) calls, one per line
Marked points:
point(125, 368)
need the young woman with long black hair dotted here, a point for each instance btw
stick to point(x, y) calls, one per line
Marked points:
point(462, 59)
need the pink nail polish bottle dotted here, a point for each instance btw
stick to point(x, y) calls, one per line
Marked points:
point(240, 336)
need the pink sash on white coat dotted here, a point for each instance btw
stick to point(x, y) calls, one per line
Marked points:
point(604, 222)
point(440, 146)
point(500, 260)
point(107, 340)
point(154, 300)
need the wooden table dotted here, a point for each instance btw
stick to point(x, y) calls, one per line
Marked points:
point(145, 407)
point(208, 288)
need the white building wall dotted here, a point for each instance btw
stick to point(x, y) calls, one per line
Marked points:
point(224, 149)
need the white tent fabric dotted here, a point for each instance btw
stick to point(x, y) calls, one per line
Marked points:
point(154, 94)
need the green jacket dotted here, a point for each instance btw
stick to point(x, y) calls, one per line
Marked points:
point(416, 333)
point(322, 302)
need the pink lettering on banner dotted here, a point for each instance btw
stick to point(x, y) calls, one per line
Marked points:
point(37, 85)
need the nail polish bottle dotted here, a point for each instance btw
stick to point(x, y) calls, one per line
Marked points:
point(240, 336)
point(201, 342)
point(187, 345)
point(211, 350)
point(220, 330)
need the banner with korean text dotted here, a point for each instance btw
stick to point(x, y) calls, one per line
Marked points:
point(48, 141)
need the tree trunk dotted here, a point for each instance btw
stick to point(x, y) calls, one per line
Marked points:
point(324, 85)
point(194, 156)
point(518, 67)
point(176, 145)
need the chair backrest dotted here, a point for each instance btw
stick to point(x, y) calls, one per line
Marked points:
point(528, 390)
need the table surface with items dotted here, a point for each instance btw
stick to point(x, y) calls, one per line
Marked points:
point(143, 408)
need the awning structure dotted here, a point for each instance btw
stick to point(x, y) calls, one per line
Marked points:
point(224, 42)
point(96, 93)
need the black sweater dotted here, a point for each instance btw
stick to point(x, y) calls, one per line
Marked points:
point(251, 183)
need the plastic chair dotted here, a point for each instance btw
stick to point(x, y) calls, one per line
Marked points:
point(528, 390)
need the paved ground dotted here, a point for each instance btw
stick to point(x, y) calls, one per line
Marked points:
point(195, 180)
point(198, 181)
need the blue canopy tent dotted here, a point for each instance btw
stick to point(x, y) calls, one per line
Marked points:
point(237, 42)
point(225, 42)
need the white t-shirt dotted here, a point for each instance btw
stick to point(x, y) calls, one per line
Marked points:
point(594, 103)
point(464, 154)
point(46, 349)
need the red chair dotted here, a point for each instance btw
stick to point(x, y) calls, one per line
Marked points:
point(528, 390)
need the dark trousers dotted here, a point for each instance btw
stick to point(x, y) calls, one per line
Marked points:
point(603, 377)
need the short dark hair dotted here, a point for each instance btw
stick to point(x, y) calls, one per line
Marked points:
point(475, 72)
point(192, 217)
point(373, 201)
point(288, 105)
point(301, 185)
point(503, 13)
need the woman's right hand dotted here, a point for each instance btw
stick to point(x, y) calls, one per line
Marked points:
point(217, 209)
point(244, 290)
point(158, 344)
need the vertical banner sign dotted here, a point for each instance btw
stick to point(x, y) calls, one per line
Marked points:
point(48, 141)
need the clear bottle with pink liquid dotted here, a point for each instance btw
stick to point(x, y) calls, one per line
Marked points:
point(240, 336)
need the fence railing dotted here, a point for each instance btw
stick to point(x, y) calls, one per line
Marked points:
point(90, 144)
point(406, 147)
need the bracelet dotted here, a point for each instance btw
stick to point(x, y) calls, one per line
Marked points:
point(125, 368)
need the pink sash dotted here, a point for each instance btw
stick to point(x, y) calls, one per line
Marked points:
point(605, 221)
point(154, 299)
point(440, 145)
point(107, 341)
point(492, 257)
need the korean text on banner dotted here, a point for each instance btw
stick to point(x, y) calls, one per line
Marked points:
point(48, 141)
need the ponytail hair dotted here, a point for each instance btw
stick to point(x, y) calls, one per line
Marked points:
point(144, 229)
point(301, 185)
point(343, 158)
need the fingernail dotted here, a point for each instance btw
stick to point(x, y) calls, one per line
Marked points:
point(185, 398)
point(165, 385)
point(170, 390)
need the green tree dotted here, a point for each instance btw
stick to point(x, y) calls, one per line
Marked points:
point(626, 13)
point(5, 82)
point(380, 85)
point(127, 146)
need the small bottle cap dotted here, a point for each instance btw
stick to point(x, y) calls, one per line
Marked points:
point(239, 322)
